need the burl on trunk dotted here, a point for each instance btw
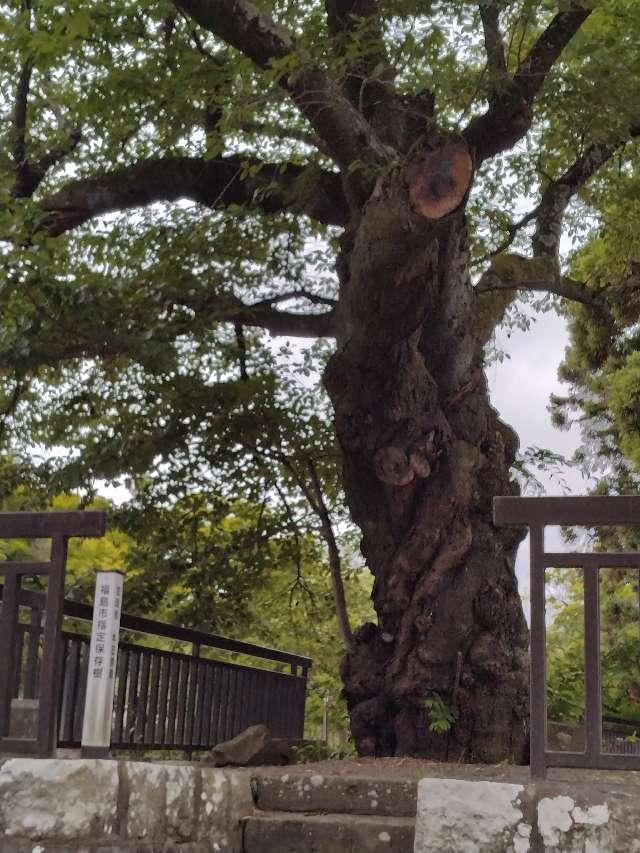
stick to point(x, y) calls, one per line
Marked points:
point(424, 453)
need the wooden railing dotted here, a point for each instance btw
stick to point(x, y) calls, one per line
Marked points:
point(42, 643)
point(165, 699)
point(536, 514)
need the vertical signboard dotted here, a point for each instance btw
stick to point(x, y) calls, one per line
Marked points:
point(103, 655)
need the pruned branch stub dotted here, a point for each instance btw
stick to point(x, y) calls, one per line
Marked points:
point(440, 179)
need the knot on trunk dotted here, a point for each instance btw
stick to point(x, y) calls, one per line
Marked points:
point(398, 467)
point(392, 466)
point(440, 179)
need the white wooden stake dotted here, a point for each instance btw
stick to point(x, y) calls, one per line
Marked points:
point(103, 656)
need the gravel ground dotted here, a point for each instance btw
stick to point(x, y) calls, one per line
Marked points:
point(415, 768)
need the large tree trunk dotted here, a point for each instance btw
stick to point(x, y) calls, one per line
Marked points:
point(424, 453)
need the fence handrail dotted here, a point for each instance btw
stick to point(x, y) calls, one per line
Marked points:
point(44, 525)
point(591, 511)
point(129, 622)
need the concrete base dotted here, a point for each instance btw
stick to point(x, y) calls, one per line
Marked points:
point(457, 816)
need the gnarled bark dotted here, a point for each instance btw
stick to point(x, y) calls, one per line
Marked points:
point(424, 453)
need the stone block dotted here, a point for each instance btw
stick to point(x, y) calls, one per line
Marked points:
point(225, 799)
point(296, 792)
point(298, 833)
point(455, 816)
point(145, 805)
point(214, 808)
point(52, 798)
point(180, 801)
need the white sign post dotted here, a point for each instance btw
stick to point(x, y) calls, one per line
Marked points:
point(103, 655)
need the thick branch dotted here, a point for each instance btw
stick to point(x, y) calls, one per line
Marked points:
point(276, 187)
point(32, 174)
point(558, 194)
point(369, 74)
point(227, 308)
point(243, 26)
point(103, 341)
point(535, 67)
point(515, 272)
point(286, 323)
point(565, 287)
point(494, 44)
point(19, 120)
point(509, 116)
point(342, 128)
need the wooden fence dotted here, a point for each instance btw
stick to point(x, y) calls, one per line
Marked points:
point(536, 514)
point(166, 696)
point(164, 699)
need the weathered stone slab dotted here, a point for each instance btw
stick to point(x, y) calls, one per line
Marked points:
point(225, 798)
point(59, 799)
point(325, 793)
point(146, 785)
point(181, 801)
point(92, 805)
point(456, 816)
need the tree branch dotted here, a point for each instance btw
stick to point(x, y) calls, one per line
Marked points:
point(32, 174)
point(512, 231)
point(515, 272)
point(494, 44)
point(94, 334)
point(369, 74)
point(20, 387)
point(285, 133)
point(243, 26)
point(335, 563)
point(498, 279)
point(276, 187)
point(286, 322)
point(315, 498)
point(558, 194)
point(534, 68)
point(241, 342)
point(510, 116)
point(345, 132)
point(300, 293)
point(19, 119)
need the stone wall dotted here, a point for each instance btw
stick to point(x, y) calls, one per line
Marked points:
point(498, 817)
point(87, 805)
